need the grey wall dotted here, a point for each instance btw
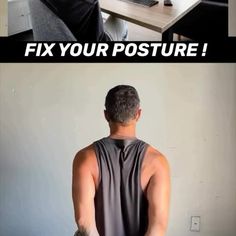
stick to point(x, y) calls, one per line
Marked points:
point(49, 111)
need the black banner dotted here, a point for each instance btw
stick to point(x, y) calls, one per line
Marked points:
point(211, 51)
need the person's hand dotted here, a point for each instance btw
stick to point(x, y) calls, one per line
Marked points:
point(81, 232)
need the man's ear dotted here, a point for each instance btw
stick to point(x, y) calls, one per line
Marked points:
point(106, 116)
point(138, 114)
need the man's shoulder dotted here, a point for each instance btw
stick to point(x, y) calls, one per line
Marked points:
point(85, 155)
point(155, 158)
point(89, 150)
point(153, 152)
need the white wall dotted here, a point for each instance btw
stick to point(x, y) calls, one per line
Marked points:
point(49, 111)
point(232, 18)
point(3, 18)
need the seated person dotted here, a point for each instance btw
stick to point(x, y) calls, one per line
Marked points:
point(84, 19)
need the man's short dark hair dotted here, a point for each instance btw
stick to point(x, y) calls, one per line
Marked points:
point(122, 103)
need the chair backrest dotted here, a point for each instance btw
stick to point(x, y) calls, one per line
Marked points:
point(46, 25)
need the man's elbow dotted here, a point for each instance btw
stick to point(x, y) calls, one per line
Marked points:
point(81, 222)
point(156, 229)
point(162, 226)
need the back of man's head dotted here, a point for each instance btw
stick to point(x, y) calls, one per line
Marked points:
point(122, 103)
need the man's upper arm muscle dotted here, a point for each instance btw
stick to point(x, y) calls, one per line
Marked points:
point(83, 190)
point(158, 192)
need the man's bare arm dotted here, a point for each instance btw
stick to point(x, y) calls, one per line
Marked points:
point(83, 192)
point(158, 193)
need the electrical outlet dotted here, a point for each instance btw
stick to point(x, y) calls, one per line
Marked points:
point(195, 223)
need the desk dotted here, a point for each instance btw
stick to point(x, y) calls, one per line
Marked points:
point(159, 18)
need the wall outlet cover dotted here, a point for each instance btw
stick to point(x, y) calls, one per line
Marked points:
point(195, 224)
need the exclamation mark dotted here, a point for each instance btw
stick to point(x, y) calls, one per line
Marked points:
point(204, 49)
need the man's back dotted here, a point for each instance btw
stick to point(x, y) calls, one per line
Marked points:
point(98, 188)
point(121, 185)
point(120, 203)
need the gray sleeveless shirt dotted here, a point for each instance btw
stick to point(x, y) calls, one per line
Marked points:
point(121, 207)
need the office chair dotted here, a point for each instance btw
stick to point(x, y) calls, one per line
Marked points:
point(207, 21)
point(46, 25)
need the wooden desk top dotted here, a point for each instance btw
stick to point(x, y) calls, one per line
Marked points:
point(158, 17)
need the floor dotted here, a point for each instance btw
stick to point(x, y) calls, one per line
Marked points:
point(138, 33)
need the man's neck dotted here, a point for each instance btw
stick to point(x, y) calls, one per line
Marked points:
point(119, 131)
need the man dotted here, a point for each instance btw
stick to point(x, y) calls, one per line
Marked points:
point(84, 19)
point(121, 185)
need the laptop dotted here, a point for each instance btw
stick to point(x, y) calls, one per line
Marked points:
point(147, 3)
